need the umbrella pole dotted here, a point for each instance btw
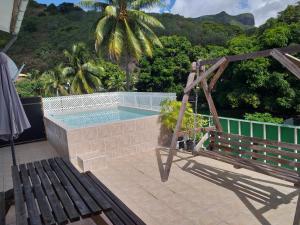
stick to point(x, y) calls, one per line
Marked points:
point(13, 152)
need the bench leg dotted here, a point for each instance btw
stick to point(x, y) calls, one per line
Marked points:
point(2, 208)
point(9, 199)
point(297, 213)
point(101, 219)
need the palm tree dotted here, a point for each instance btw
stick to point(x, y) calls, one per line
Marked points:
point(125, 31)
point(55, 81)
point(83, 72)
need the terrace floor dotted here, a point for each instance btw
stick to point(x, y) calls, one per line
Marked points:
point(200, 191)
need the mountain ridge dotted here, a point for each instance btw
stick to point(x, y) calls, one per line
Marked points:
point(245, 20)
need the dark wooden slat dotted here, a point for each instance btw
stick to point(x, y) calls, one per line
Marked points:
point(116, 200)
point(226, 150)
point(2, 208)
point(293, 49)
point(60, 191)
point(102, 202)
point(257, 147)
point(250, 165)
point(79, 187)
point(257, 155)
point(258, 140)
point(21, 216)
point(45, 209)
point(78, 202)
point(60, 215)
point(32, 209)
point(114, 218)
point(115, 208)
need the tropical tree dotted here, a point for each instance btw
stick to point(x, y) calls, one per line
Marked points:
point(83, 72)
point(55, 81)
point(37, 85)
point(124, 31)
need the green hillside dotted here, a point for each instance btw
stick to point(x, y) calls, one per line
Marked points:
point(245, 20)
point(47, 31)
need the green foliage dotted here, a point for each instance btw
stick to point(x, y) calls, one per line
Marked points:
point(242, 44)
point(169, 114)
point(278, 36)
point(113, 78)
point(263, 117)
point(25, 88)
point(290, 15)
point(166, 70)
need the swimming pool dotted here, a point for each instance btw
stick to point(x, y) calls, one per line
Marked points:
point(101, 116)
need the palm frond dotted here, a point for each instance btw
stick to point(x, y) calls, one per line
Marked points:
point(133, 42)
point(141, 4)
point(102, 29)
point(116, 42)
point(145, 18)
point(150, 34)
point(146, 44)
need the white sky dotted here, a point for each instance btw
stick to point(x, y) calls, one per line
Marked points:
point(262, 9)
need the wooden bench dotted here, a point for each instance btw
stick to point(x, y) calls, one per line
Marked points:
point(54, 192)
point(272, 158)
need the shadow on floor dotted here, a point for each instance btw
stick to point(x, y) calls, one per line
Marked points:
point(245, 187)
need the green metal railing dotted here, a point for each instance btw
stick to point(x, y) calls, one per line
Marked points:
point(269, 131)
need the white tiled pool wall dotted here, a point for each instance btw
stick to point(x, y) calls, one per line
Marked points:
point(106, 141)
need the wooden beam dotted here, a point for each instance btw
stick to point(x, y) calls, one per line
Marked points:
point(293, 59)
point(185, 100)
point(280, 57)
point(205, 75)
point(216, 77)
point(292, 49)
point(211, 105)
point(201, 142)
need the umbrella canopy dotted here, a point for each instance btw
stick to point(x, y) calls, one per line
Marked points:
point(13, 120)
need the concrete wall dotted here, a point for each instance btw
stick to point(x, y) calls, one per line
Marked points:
point(91, 147)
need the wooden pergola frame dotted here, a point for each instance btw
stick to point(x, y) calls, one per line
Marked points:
point(201, 76)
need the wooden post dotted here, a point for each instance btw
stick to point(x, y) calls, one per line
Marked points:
point(185, 100)
point(217, 75)
point(293, 68)
point(210, 102)
point(205, 74)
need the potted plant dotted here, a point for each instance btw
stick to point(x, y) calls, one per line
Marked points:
point(169, 115)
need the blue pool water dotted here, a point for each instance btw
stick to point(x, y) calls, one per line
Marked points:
point(87, 118)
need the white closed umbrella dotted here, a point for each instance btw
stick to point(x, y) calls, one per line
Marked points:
point(13, 120)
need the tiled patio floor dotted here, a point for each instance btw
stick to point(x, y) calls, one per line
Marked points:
point(200, 191)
